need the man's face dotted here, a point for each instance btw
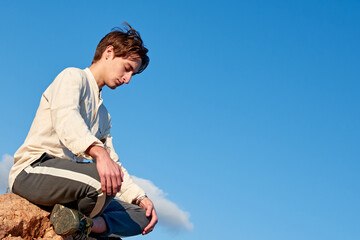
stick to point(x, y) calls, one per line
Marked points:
point(120, 70)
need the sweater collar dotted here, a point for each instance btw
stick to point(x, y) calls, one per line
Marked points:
point(93, 82)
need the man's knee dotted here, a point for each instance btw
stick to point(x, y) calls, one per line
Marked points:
point(125, 219)
point(141, 219)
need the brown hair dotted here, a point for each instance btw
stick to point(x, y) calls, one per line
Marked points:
point(126, 41)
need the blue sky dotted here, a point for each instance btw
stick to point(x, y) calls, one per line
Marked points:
point(247, 117)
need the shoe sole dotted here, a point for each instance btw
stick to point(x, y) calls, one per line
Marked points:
point(64, 221)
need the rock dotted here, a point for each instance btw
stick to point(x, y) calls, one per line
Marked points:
point(20, 219)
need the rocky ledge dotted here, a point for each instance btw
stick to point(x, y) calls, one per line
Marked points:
point(20, 219)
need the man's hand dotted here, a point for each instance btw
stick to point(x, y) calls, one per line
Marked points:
point(147, 204)
point(110, 172)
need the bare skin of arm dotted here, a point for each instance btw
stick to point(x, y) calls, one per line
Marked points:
point(110, 172)
point(147, 204)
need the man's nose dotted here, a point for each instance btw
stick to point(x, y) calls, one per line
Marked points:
point(127, 78)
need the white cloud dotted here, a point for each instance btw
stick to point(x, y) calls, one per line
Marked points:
point(170, 215)
point(5, 165)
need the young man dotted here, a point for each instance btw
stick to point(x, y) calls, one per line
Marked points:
point(72, 124)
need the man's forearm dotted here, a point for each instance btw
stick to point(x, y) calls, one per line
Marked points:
point(97, 152)
point(110, 173)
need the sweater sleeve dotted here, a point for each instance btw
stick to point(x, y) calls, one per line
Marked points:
point(64, 96)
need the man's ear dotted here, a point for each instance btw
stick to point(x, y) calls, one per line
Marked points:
point(109, 52)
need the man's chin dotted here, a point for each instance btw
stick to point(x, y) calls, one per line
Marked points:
point(114, 87)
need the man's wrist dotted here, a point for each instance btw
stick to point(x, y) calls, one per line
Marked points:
point(139, 199)
point(96, 151)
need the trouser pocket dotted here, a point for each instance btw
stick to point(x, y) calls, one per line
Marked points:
point(44, 157)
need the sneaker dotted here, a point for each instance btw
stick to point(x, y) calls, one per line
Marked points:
point(67, 221)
